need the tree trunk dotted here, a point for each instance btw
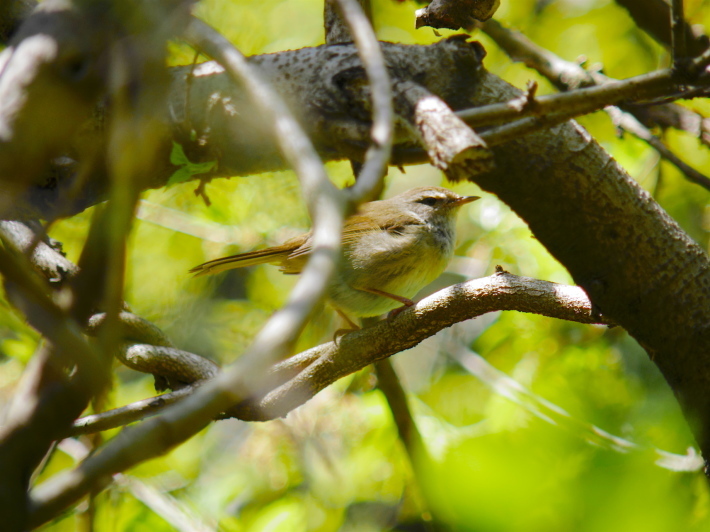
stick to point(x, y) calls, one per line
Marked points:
point(637, 265)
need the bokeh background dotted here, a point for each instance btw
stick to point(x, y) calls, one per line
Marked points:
point(530, 424)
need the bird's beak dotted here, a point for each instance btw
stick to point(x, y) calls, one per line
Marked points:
point(463, 200)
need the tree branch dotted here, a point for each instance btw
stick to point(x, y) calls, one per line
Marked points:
point(628, 122)
point(300, 377)
point(455, 14)
point(378, 154)
point(356, 350)
point(48, 397)
point(391, 386)
point(564, 74)
point(337, 30)
point(654, 17)
point(679, 49)
point(512, 390)
point(333, 108)
point(452, 146)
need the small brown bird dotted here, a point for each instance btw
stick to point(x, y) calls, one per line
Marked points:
point(391, 249)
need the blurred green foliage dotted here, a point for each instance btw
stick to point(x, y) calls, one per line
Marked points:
point(492, 463)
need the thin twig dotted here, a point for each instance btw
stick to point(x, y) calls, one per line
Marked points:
point(54, 324)
point(125, 415)
point(389, 383)
point(391, 386)
point(679, 49)
point(370, 53)
point(556, 109)
point(572, 103)
point(513, 130)
point(628, 122)
point(512, 390)
point(699, 64)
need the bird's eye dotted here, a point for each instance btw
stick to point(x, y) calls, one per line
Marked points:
point(428, 201)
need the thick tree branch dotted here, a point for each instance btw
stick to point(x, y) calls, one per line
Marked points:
point(332, 106)
point(610, 208)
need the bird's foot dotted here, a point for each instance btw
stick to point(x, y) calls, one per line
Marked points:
point(395, 311)
point(352, 326)
point(342, 332)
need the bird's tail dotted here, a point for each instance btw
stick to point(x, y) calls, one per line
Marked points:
point(274, 255)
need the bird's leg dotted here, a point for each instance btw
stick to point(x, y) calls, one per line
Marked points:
point(392, 313)
point(353, 326)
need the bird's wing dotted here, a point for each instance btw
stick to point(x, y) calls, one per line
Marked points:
point(293, 254)
point(364, 221)
point(358, 224)
point(361, 222)
point(354, 225)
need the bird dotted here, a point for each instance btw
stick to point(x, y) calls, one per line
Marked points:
point(391, 249)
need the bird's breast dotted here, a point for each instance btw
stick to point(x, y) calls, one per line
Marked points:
point(400, 262)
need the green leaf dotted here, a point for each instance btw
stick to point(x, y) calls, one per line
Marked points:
point(187, 168)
